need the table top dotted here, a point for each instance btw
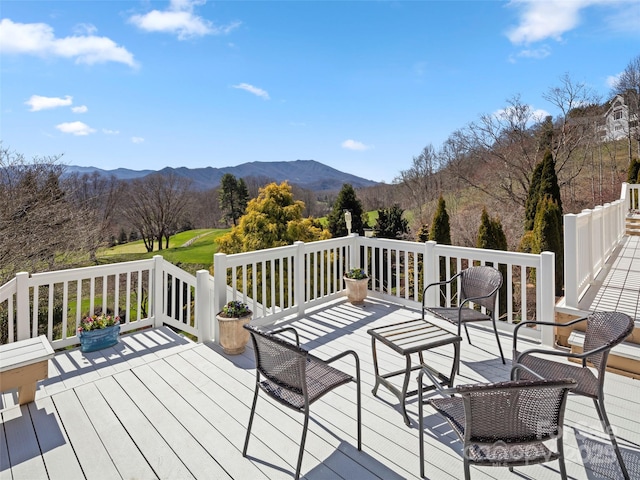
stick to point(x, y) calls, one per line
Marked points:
point(413, 336)
point(25, 352)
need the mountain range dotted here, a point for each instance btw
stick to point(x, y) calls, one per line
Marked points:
point(308, 174)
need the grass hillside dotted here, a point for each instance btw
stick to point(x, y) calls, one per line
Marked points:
point(191, 250)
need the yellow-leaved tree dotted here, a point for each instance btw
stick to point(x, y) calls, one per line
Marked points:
point(273, 219)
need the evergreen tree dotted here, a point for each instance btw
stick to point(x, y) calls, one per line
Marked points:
point(490, 233)
point(491, 236)
point(423, 233)
point(273, 219)
point(633, 172)
point(547, 236)
point(549, 180)
point(233, 197)
point(543, 182)
point(532, 198)
point(390, 223)
point(440, 228)
point(346, 200)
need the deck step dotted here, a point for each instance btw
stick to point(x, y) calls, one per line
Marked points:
point(633, 225)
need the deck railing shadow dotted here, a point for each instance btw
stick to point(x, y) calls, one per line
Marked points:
point(72, 363)
point(20, 425)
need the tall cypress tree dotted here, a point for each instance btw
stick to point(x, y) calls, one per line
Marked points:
point(547, 236)
point(633, 172)
point(440, 228)
point(532, 198)
point(543, 182)
point(490, 234)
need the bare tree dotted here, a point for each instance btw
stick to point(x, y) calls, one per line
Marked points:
point(419, 180)
point(98, 195)
point(39, 227)
point(155, 205)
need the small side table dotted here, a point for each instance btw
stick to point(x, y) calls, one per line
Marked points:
point(405, 338)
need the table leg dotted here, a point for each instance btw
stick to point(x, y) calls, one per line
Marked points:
point(375, 366)
point(405, 387)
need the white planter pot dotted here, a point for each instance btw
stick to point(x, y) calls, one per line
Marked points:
point(233, 337)
point(356, 290)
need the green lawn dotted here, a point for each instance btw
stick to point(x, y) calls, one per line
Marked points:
point(195, 256)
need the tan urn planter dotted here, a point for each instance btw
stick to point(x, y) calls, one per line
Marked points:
point(356, 290)
point(233, 337)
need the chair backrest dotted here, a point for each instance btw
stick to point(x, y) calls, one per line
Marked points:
point(481, 281)
point(279, 360)
point(605, 328)
point(518, 411)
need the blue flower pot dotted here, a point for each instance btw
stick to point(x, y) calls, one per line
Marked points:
point(93, 340)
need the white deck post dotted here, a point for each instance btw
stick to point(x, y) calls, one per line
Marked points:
point(546, 285)
point(354, 248)
point(22, 305)
point(156, 294)
point(430, 266)
point(571, 260)
point(219, 289)
point(204, 316)
point(299, 280)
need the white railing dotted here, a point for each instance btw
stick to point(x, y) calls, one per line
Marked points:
point(277, 283)
point(633, 197)
point(284, 282)
point(590, 238)
point(143, 293)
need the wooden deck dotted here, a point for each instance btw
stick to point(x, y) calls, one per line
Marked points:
point(159, 406)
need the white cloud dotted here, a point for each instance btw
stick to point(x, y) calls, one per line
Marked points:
point(75, 128)
point(38, 39)
point(179, 19)
point(137, 139)
point(354, 145)
point(251, 89)
point(612, 80)
point(107, 131)
point(540, 20)
point(536, 53)
point(38, 102)
point(80, 109)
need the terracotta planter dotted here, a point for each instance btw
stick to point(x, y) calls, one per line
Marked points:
point(356, 289)
point(93, 340)
point(233, 337)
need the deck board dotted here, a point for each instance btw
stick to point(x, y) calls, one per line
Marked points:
point(164, 407)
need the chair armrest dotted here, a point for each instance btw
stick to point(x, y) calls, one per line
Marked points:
point(287, 329)
point(517, 366)
point(344, 354)
point(444, 282)
point(549, 324)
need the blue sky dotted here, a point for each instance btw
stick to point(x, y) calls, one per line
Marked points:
point(360, 86)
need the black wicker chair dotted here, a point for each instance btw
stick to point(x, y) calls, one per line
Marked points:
point(604, 330)
point(478, 285)
point(504, 424)
point(295, 378)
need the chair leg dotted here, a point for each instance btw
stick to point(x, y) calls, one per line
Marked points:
point(495, 330)
point(602, 413)
point(563, 468)
point(467, 468)
point(358, 393)
point(304, 439)
point(253, 410)
point(467, 332)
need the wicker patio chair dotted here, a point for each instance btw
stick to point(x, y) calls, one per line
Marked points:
point(295, 378)
point(604, 330)
point(478, 285)
point(504, 424)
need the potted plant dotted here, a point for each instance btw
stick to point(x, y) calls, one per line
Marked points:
point(233, 337)
point(356, 281)
point(98, 331)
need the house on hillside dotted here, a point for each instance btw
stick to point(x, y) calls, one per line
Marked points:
point(618, 121)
